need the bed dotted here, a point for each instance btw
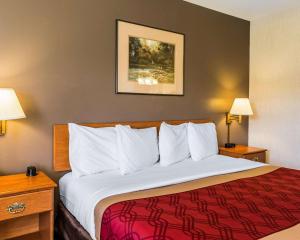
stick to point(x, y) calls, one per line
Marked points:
point(221, 198)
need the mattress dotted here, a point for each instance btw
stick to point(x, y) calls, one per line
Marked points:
point(81, 195)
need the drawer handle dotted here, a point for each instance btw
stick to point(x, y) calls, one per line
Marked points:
point(256, 159)
point(16, 208)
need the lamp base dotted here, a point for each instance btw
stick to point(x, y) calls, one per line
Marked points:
point(230, 145)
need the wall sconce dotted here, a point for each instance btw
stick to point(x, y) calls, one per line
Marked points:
point(240, 107)
point(10, 108)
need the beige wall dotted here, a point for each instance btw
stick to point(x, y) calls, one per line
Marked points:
point(275, 87)
point(59, 56)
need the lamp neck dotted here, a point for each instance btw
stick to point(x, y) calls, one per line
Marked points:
point(230, 118)
point(2, 127)
point(228, 132)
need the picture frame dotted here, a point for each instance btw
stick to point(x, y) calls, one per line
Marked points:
point(149, 60)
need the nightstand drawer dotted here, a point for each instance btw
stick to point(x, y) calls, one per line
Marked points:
point(257, 157)
point(25, 204)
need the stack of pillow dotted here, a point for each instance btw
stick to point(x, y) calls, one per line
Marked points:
point(96, 150)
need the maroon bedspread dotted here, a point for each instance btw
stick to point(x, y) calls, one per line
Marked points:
point(243, 209)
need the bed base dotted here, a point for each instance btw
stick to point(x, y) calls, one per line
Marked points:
point(68, 228)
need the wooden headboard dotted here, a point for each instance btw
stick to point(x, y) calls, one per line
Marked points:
point(61, 138)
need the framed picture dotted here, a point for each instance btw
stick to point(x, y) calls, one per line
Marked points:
point(149, 60)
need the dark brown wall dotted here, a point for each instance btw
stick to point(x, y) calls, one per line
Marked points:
point(59, 56)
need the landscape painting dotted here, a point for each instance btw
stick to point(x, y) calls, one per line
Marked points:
point(149, 60)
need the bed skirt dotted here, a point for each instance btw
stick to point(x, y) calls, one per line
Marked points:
point(68, 228)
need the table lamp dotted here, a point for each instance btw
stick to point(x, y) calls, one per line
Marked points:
point(10, 108)
point(240, 107)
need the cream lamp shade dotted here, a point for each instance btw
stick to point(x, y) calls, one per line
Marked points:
point(241, 106)
point(10, 107)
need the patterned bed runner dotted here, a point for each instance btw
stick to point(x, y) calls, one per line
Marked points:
point(244, 209)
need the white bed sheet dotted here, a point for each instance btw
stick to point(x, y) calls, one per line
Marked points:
point(81, 195)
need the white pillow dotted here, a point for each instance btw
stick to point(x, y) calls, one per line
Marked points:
point(92, 150)
point(202, 140)
point(173, 143)
point(137, 148)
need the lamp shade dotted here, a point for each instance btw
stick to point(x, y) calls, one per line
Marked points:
point(10, 107)
point(241, 106)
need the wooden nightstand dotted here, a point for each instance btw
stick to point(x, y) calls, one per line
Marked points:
point(240, 151)
point(26, 207)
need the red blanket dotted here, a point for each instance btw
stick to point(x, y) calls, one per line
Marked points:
point(243, 209)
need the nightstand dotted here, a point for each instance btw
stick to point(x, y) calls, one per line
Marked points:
point(240, 151)
point(26, 207)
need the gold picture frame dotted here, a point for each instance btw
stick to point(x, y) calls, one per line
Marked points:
point(149, 60)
